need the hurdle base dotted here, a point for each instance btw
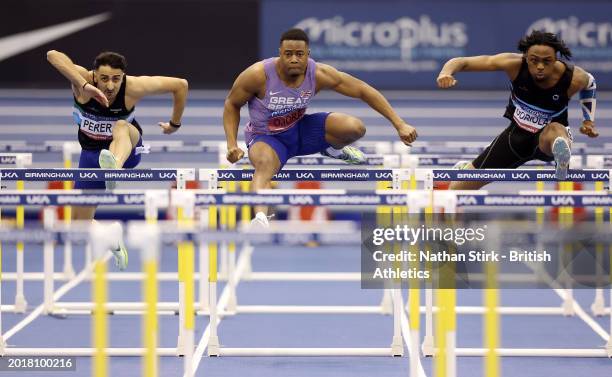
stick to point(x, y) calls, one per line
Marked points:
point(57, 312)
point(508, 310)
point(21, 305)
point(306, 309)
point(534, 352)
point(68, 273)
point(397, 346)
point(568, 308)
point(9, 351)
point(427, 348)
point(180, 345)
point(113, 306)
point(303, 276)
point(7, 308)
point(598, 307)
point(268, 352)
point(214, 348)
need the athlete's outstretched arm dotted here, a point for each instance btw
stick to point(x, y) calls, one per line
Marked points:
point(142, 86)
point(508, 62)
point(77, 76)
point(246, 86)
point(329, 77)
point(584, 83)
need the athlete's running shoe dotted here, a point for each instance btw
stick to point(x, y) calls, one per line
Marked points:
point(460, 165)
point(261, 220)
point(562, 153)
point(120, 252)
point(107, 161)
point(350, 155)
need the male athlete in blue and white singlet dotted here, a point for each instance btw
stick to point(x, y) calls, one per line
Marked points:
point(542, 86)
point(278, 91)
point(104, 103)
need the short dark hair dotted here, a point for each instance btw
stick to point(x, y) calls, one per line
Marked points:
point(541, 37)
point(112, 59)
point(294, 35)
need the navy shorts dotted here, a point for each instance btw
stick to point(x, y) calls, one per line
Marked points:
point(512, 148)
point(304, 138)
point(89, 160)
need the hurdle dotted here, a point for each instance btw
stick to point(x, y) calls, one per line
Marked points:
point(98, 235)
point(279, 197)
point(70, 148)
point(21, 161)
point(425, 175)
point(590, 199)
point(214, 176)
point(385, 198)
point(22, 174)
point(482, 199)
point(394, 199)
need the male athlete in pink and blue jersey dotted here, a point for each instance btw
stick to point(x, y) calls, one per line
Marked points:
point(278, 91)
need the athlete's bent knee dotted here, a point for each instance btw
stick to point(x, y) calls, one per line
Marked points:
point(121, 127)
point(263, 160)
point(356, 129)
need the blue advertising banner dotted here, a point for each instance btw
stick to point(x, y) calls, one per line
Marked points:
point(403, 45)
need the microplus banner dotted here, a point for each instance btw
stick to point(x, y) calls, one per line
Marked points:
point(403, 45)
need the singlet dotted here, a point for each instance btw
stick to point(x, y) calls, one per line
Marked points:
point(96, 122)
point(531, 107)
point(282, 107)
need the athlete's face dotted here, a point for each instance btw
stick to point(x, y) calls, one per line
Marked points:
point(109, 80)
point(293, 57)
point(541, 61)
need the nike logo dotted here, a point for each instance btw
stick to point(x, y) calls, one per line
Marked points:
point(275, 93)
point(28, 40)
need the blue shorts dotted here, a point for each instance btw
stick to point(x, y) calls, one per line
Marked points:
point(306, 137)
point(89, 160)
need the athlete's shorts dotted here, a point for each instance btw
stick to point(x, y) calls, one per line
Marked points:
point(512, 148)
point(306, 137)
point(89, 160)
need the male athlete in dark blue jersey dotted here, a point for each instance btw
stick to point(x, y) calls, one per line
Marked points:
point(104, 102)
point(542, 86)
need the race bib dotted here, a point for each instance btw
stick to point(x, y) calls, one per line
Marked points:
point(284, 122)
point(530, 119)
point(96, 127)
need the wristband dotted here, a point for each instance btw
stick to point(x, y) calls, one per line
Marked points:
point(83, 87)
point(175, 125)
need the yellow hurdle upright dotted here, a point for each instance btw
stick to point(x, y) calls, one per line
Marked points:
point(67, 185)
point(491, 321)
point(186, 271)
point(100, 320)
point(150, 329)
point(100, 244)
point(213, 342)
point(20, 301)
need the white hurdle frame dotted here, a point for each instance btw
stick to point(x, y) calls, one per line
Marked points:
point(448, 198)
point(214, 348)
point(392, 162)
point(154, 200)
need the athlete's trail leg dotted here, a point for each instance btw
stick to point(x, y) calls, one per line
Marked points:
point(266, 164)
point(125, 138)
